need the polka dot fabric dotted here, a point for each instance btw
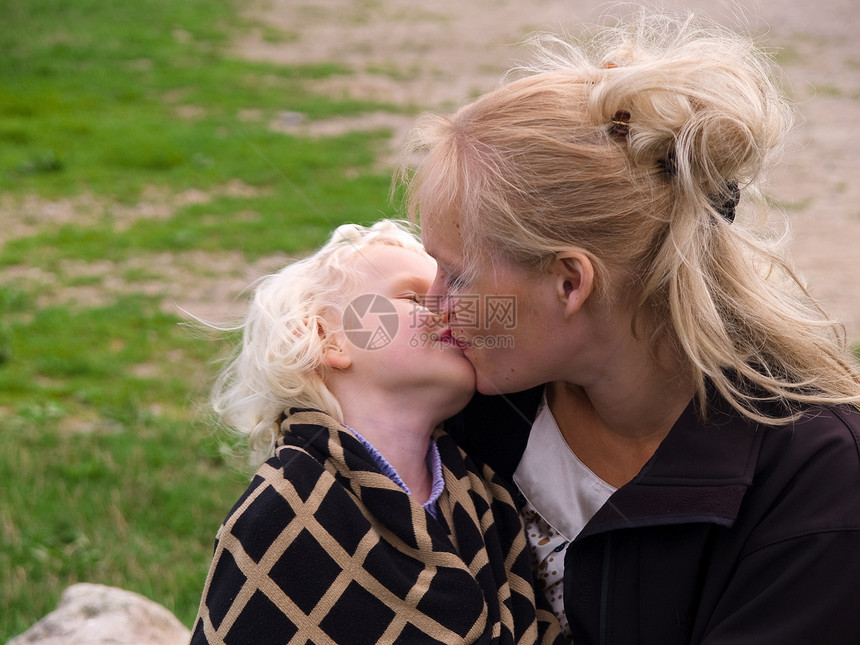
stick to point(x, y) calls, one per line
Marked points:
point(547, 548)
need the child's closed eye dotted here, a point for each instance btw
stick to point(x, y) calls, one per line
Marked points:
point(417, 298)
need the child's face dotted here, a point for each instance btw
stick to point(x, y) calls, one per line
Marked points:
point(393, 339)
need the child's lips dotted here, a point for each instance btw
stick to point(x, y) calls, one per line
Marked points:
point(448, 338)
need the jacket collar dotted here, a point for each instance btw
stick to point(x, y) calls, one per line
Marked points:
point(699, 473)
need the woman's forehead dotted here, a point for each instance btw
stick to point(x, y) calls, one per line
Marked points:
point(442, 236)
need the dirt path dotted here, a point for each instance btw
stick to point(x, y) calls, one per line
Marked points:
point(436, 56)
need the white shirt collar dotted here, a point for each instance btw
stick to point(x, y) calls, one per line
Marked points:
point(555, 482)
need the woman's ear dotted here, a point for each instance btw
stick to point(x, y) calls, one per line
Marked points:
point(574, 279)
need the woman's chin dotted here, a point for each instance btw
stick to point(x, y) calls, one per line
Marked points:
point(491, 385)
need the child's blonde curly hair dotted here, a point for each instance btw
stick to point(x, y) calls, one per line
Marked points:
point(285, 334)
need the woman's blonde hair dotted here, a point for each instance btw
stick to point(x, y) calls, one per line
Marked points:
point(290, 323)
point(537, 166)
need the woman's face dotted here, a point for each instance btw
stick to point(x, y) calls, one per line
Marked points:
point(508, 321)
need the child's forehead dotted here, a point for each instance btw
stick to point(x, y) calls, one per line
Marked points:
point(383, 260)
point(388, 252)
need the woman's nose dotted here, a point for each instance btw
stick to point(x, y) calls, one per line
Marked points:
point(436, 299)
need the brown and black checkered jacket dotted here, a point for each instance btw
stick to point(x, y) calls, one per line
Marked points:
point(324, 548)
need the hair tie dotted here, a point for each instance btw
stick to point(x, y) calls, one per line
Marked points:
point(620, 124)
point(726, 202)
point(668, 164)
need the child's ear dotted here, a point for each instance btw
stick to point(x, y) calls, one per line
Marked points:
point(574, 279)
point(337, 358)
point(337, 354)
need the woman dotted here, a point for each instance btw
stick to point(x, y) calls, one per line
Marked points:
point(679, 415)
point(364, 523)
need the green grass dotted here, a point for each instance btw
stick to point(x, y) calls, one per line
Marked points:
point(110, 471)
point(93, 93)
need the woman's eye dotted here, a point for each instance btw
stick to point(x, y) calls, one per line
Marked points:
point(455, 282)
point(449, 282)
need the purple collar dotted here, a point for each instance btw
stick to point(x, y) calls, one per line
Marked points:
point(434, 462)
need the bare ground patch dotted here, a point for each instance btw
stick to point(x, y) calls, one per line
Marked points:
point(206, 285)
point(209, 286)
point(32, 214)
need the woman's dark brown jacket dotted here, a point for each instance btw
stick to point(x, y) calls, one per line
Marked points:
point(732, 533)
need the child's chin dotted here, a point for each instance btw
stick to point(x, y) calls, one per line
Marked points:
point(460, 399)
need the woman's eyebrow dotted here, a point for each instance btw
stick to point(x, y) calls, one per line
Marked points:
point(444, 264)
point(431, 252)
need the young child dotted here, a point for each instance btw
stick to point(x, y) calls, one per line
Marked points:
point(365, 523)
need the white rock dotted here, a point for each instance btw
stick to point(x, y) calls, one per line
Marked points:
point(100, 615)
